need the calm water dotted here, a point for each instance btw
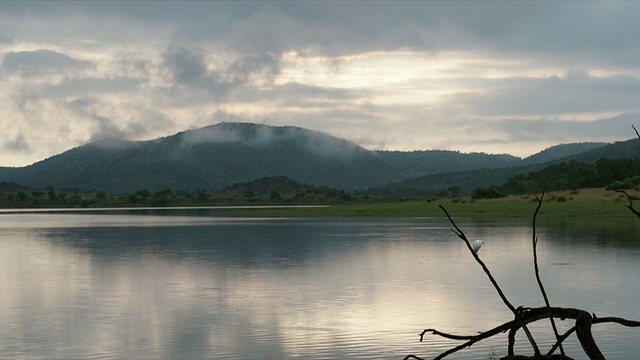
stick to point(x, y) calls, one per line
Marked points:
point(193, 285)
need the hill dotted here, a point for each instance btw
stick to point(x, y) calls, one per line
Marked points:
point(561, 151)
point(221, 155)
point(466, 181)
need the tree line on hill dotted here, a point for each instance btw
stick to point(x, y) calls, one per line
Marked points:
point(267, 190)
point(614, 174)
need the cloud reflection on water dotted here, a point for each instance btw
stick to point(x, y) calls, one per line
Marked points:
point(277, 289)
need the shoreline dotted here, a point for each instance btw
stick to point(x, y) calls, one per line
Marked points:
point(561, 204)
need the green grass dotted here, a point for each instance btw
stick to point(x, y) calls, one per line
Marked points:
point(504, 208)
point(583, 203)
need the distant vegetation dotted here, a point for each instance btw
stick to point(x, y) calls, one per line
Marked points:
point(615, 174)
point(572, 175)
point(275, 190)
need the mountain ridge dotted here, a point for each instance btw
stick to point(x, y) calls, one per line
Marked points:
point(220, 155)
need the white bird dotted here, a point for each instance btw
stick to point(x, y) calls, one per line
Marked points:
point(477, 244)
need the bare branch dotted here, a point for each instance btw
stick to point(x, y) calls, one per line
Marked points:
point(446, 335)
point(412, 357)
point(529, 315)
point(537, 272)
point(630, 198)
point(621, 321)
point(524, 315)
point(493, 281)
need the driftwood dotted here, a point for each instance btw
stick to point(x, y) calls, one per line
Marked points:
point(523, 315)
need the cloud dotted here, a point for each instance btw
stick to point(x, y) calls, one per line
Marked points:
point(104, 119)
point(17, 144)
point(576, 92)
point(219, 76)
point(93, 86)
point(39, 62)
point(550, 130)
point(5, 37)
point(293, 94)
point(185, 66)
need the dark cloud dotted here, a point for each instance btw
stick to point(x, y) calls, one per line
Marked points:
point(187, 67)
point(107, 121)
point(104, 127)
point(260, 68)
point(17, 144)
point(39, 62)
point(579, 32)
point(189, 72)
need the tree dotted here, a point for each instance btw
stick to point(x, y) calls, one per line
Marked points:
point(487, 193)
point(454, 190)
point(203, 197)
point(144, 193)
point(37, 194)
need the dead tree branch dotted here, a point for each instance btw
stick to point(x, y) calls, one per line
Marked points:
point(537, 272)
point(584, 322)
point(515, 312)
point(523, 316)
point(630, 198)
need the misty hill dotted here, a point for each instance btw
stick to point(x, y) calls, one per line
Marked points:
point(218, 156)
point(221, 155)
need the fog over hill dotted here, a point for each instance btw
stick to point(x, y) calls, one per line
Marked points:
point(224, 154)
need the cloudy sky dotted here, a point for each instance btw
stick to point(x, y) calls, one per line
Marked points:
point(496, 77)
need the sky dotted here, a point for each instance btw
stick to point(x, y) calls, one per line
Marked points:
point(495, 77)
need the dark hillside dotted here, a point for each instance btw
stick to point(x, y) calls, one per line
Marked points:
point(419, 163)
point(561, 151)
point(209, 158)
point(221, 155)
point(621, 149)
point(439, 184)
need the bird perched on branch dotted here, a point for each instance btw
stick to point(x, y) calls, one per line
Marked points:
point(476, 245)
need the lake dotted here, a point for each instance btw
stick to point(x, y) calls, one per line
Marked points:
point(193, 284)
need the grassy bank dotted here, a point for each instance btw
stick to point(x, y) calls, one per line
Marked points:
point(583, 203)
